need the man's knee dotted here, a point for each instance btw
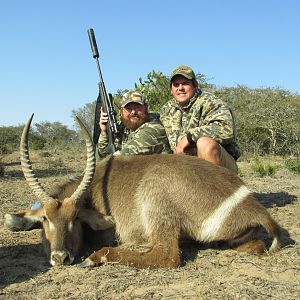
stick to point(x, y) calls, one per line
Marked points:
point(209, 149)
point(212, 151)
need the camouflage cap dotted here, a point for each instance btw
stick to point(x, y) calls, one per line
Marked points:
point(184, 71)
point(132, 96)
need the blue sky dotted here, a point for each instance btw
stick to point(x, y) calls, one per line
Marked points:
point(47, 66)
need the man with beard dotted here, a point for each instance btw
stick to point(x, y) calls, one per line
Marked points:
point(140, 131)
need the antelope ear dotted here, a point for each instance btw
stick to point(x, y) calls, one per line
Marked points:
point(24, 220)
point(95, 220)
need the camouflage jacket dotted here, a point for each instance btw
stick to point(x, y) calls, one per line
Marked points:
point(149, 138)
point(205, 115)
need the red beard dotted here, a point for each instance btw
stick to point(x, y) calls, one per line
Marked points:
point(133, 122)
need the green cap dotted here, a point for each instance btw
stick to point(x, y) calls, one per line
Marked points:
point(184, 71)
point(132, 96)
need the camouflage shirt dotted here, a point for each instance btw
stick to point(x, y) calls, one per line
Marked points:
point(149, 138)
point(205, 115)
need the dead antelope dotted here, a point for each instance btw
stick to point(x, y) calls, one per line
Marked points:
point(151, 199)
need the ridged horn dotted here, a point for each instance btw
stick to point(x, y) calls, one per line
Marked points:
point(90, 165)
point(27, 165)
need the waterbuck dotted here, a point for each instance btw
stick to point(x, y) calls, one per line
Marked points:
point(153, 199)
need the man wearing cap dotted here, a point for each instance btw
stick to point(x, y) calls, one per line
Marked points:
point(198, 123)
point(140, 131)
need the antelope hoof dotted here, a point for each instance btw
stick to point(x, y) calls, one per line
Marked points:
point(87, 263)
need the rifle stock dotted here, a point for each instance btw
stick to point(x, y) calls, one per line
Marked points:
point(103, 100)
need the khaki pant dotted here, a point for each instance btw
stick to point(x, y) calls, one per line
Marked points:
point(227, 161)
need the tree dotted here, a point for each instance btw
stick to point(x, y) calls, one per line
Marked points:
point(9, 138)
point(54, 134)
point(86, 114)
point(266, 118)
point(155, 88)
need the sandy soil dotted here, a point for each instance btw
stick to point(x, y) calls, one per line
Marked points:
point(206, 274)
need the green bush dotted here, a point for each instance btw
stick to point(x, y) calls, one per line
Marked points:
point(293, 164)
point(9, 139)
point(263, 169)
point(38, 143)
point(271, 169)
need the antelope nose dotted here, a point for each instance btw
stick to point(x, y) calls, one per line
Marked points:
point(60, 258)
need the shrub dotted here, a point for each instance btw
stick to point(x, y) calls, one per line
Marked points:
point(271, 169)
point(9, 139)
point(38, 143)
point(293, 164)
point(263, 169)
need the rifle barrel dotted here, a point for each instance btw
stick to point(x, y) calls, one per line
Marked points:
point(103, 100)
point(93, 43)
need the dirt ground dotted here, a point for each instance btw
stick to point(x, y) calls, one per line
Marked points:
point(206, 273)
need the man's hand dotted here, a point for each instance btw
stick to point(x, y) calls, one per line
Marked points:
point(182, 145)
point(103, 121)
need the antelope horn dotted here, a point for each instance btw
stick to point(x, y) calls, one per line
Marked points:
point(90, 165)
point(27, 165)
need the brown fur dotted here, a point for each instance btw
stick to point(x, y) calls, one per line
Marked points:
point(256, 247)
point(153, 200)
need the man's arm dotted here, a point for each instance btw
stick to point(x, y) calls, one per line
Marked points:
point(102, 145)
point(218, 122)
point(103, 137)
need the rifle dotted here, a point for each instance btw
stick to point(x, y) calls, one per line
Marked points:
point(105, 101)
